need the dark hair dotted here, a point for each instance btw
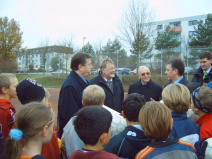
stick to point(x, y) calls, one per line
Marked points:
point(132, 105)
point(178, 64)
point(91, 122)
point(206, 55)
point(77, 59)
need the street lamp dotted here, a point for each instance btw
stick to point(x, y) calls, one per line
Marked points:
point(83, 40)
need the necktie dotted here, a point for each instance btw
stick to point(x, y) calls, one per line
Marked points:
point(205, 74)
point(110, 84)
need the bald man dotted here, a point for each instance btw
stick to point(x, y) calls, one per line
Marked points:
point(145, 86)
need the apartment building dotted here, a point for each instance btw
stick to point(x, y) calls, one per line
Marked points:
point(183, 26)
point(40, 58)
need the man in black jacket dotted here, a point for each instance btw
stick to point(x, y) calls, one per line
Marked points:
point(204, 73)
point(70, 98)
point(175, 72)
point(145, 86)
point(111, 84)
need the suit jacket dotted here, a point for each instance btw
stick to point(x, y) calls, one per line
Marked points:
point(113, 98)
point(198, 76)
point(70, 99)
point(150, 90)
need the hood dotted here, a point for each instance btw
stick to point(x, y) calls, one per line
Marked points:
point(135, 137)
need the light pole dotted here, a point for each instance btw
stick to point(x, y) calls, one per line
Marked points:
point(83, 40)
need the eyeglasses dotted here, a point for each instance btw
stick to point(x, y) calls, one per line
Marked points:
point(145, 73)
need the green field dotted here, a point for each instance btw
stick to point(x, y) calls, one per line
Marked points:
point(56, 80)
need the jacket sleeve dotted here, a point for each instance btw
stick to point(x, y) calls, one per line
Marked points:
point(69, 104)
point(130, 90)
point(1, 143)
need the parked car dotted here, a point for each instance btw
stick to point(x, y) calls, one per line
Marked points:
point(133, 72)
point(94, 71)
point(123, 71)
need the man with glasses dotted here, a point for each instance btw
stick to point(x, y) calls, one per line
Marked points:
point(175, 72)
point(70, 98)
point(204, 72)
point(145, 86)
point(110, 82)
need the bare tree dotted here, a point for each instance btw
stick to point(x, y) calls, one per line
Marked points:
point(136, 28)
point(67, 43)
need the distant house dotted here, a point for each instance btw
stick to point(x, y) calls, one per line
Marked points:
point(40, 58)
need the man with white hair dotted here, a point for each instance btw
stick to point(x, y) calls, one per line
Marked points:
point(145, 86)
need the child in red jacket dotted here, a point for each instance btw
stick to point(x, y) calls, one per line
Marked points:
point(8, 83)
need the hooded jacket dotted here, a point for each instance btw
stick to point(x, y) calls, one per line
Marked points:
point(128, 143)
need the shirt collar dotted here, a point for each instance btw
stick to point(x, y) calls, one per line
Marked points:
point(208, 70)
point(178, 81)
point(82, 78)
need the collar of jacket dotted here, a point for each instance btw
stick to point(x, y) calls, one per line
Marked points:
point(146, 85)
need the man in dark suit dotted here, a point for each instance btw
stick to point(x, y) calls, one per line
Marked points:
point(112, 85)
point(145, 86)
point(70, 98)
point(175, 72)
point(204, 73)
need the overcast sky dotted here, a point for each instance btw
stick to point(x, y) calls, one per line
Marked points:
point(53, 21)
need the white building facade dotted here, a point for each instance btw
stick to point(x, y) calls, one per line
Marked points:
point(40, 58)
point(183, 26)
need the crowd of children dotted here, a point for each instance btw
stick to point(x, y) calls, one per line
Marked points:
point(142, 130)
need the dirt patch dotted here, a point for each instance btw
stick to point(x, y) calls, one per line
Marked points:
point(54, 92)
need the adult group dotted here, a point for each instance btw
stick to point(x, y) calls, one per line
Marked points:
point(70, 99)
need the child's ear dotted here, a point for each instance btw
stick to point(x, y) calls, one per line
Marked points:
point(4, 90)
point(44, 131)
point(104, 138)
point(122, 114)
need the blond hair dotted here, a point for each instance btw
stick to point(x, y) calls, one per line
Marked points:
point(31, 119)
point(93, 95)
point(177, 97)
point(5, 80)
point(156, 120)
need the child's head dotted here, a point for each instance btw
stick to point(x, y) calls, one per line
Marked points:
point(29, 90)
point(8, 84)
point(156, 120)
point(93, 95)
point(92, 125)
point(202, 99)
point(132, 105)
point(177, 97)
point(34, 122)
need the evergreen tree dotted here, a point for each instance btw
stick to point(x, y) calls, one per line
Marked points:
point(114, 50)
point(88, 49)
point(203, 33)
point(139, 46)
point(166, 42)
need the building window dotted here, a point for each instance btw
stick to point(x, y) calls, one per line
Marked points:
point(192, 22)
point(176, 24)
point(159, 27)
